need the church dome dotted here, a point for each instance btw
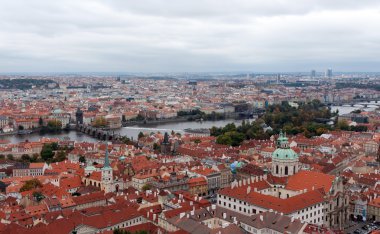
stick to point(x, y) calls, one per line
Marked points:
point(283, 151)
point(284, 154)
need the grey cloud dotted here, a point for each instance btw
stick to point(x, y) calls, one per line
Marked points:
point(176, 35)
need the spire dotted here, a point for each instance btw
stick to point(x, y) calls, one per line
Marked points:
point(106, 160)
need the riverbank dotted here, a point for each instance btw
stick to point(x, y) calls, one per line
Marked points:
point(154, 122)
point(130, 131)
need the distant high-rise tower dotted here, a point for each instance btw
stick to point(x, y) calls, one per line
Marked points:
point(278, 78)
point(312, 74)
point(329, 73)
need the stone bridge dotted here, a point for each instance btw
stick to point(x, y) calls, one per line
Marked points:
point(99, 133)
point(363, 102)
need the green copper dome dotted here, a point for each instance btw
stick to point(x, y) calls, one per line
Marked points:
point(286, 154)
point(283, 150)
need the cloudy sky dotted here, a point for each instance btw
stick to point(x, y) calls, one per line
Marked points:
point(189, 35)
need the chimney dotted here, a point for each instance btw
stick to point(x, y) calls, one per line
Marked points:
point(181, 215)
point(154, 217)
point(261, 218)
point(224, 215)
point(213, 206)
point(248, 189)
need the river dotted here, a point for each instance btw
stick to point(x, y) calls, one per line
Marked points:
point(130, 131)
point(133, 131)
point(345, 109)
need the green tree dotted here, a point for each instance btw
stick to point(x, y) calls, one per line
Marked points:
point(10, 157)
point(141, 134)
point(54, 125)
point(40, 122)
point(47, 152)
point(35, 157)
point(38, 196)
point(343, 125)
point(20, 127)
point(100, 122)
point(82, 159)
point(197, 141)
point(146, 187)
point(61, 156)
point(156, 146)
point(25, 158)
point(31, 184)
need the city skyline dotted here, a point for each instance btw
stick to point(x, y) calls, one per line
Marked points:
point(210, 36)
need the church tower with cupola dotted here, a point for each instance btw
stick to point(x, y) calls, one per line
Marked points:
point(107, 175)
point(284, 159)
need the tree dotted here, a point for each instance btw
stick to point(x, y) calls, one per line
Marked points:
point(2, 156)
point(25, 158)
point(156, 146)
point(82, 159)
point(54, 125)
point(100, 122)
point(61, 156)
point(38, 196)
point(54, 145)
point(230, 138)
point(10, 157)
point(20, 127)
point(47, 152)
point(146, 187)
point(197, 141)
point(343, 125)
point(40, 122)
point(31, 184)
point(141, 134)
point(34, 157)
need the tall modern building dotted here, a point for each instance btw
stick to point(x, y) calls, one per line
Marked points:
point(312, 74)
point(328, 73)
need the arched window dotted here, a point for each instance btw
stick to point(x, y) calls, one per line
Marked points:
point(276, 169)
point(294, 170)
point(286, 170)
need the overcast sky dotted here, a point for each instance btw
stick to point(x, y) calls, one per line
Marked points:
point(189, 35)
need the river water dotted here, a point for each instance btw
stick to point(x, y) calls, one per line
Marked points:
point(131, 131)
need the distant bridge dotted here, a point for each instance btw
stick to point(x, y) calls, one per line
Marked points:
point(361, 101)
point(99, 133)
point(153, 129)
